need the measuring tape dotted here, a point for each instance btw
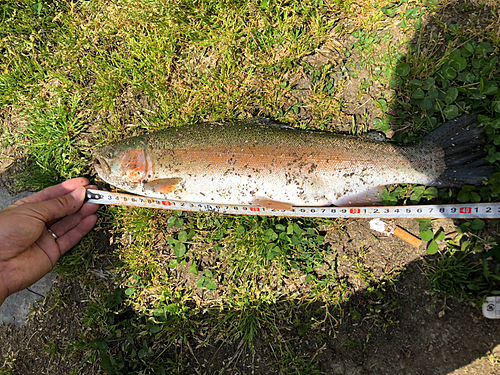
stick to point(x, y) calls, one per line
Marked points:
point(458, 211)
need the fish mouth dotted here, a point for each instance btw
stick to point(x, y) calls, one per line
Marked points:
point(102, 167)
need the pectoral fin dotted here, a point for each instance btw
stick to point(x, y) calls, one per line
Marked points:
point(269, 203)
point(162, 186)
point(370, 197)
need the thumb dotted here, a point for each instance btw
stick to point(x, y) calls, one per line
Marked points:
point(59, 207)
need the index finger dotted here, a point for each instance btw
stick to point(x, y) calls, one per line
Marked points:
point(55, 191)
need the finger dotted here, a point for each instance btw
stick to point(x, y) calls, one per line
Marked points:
point(48, 244)
point(69, 222)
point(48, 211)
point(55, 191)
point(71, 238)
point(49, 224)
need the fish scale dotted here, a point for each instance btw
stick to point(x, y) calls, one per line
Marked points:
point(259, 162)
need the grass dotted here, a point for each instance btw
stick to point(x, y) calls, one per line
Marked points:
point(87, 73)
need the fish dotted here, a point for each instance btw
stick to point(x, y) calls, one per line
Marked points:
point(260, 162)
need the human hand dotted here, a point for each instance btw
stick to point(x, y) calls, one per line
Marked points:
point(28, 249)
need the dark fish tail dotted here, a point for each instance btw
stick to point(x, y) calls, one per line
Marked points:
point(462, 140)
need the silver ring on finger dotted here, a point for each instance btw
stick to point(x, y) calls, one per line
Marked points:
point(53, 234)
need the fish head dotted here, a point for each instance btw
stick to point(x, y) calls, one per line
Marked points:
point(125, 165)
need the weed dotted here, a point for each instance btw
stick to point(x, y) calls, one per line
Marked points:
point(51, 143)
point(426, 234)
point(7, 364)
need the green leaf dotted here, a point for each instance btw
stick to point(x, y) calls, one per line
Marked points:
point(201, 282)
point(155, 328)
point(415, 83)
point(488, 87)
point(467, 77)
point(468, 49)
point(273, 251)
point(450, 112)
point(382, 103)
point(403, 69)
point(37, 7)
point(426, 104)
point(129, 291)
point(389, 11)
point(106, 363)
point(477, 224)
point(490, 66)
point(280, 227)
point(159, 312)
point(494, 183)
point(297, 229)
point(463, 196)
point(208, 273)
point(418, 94)
point(458, 63)
point(445, 193)
point(418, 23)
point(179, 250)
point(451, 95)
point(424, 224)
point(171, 308)
point(193, 268)
point(270, 235)
point(210, 284)
point(449, 72)
point(432, 248)
point(496, 106)
point(395, 82)
point(440, 236)
point(431, 192)
point(183, 236)
point(388, 199)
point(429, 82)
point(171, 221)
point(417, 194)
point(427, 235)
point(475, 197)
point(484, 47)
point(478, 63)
point(142, 353)
point(264, 4)
point(380, 124)
point(433, 93)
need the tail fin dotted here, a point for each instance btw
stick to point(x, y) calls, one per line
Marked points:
point(462, 141)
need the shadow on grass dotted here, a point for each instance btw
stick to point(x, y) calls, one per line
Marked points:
point(379, 327)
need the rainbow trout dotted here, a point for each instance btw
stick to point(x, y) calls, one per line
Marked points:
point(260, 162)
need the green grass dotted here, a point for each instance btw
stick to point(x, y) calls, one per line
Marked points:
point(84, 74)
